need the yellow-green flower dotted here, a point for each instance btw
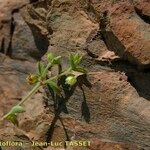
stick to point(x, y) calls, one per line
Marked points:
point(32, 78)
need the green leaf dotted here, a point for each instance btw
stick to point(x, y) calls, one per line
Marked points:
point(17, 109)
point(53, 59)
point(71, 61)
point(50, 57)
point(76, 73)
point(81, 69)
point(56, 60)
point(71, 80)
point(55, 87)
point(77, 59)
point(74, 60)
point(13, 118)
point(41, 68)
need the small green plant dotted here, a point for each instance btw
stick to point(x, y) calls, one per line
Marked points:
point(42, 78)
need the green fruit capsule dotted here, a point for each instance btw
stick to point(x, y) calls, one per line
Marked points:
point(71, 80)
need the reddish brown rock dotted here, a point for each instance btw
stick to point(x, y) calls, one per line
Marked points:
point(7, 8)
point(13, 81)
point(117, 105)
point(132, 32)
point(17, 40)
point(125, 28)
point(142, 8)
point(117, 114)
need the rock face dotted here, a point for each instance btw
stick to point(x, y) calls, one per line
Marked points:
point(126, 31)
point(7, 23)
point(113, 37)
point(17, 40)
point(142, 9)
point(135, 37)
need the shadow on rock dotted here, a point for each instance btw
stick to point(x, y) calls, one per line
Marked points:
point(60, 101)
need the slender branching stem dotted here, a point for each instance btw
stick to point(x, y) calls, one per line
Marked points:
point(38, 85)
point(58, 76)
point(49, 65)
point(41, 80)
point(32, 92)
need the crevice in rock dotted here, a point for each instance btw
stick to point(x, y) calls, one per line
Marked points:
point(136, 79)
point(16, 10)
point(138, 76)
point(41, 40)
point(114, 44)
point(12, 29)
point(144, 17)
point(139, 79)
point(33, 1)
point(2, 49)
point(94, 35)
point(8, 50)
point(90, 53)
point(109, 38)
point(39, 31)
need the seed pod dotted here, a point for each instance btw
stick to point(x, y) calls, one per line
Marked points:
point(71, 80)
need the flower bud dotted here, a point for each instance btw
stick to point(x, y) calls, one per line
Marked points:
point(32, 78)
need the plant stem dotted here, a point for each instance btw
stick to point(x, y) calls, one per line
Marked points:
point(46, 69)
point(58, 76)
point(33, 91)
point(37, 86)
